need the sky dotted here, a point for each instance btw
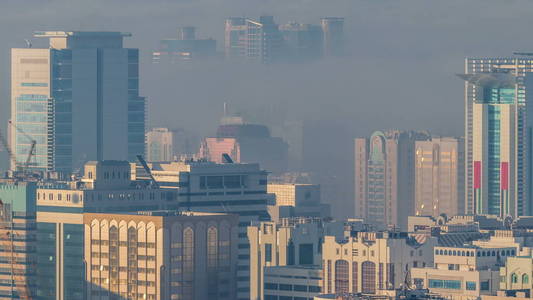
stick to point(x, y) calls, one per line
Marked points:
point(399, 72)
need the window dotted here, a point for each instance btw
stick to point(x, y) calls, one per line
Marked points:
point(341, 276)
point(445, 284)
point(300, 288)
point(485, 285)
point(271, 286)
point(514, 278)
point(306, 254)
point(285, 287)
point(471, 285)
point(314, 289)
point(368, 270)
point(525, 278)
point(268, 252)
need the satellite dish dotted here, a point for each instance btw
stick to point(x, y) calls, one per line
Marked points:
point(508, 222)
point(28, 43)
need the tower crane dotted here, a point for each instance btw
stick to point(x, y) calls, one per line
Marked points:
point(33, 142)
point(12, 157)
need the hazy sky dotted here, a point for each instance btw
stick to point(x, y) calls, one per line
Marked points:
point(400, 71)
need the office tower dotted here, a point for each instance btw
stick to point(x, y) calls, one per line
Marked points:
point(333, 35)
point(297, 200)
point(463, 272)
point(498, 140)
point(159, 145)
point(439, 179)
point(185, 47)
point(259, 41)
point(247, 143)
point(304, 42)
point(366, 262)
point(160, 255)
point(78, 100)
point(292, 242)
point(233, 188)
point(518, 67)
point(385, 177)
point(105, 187)
point(17, 239)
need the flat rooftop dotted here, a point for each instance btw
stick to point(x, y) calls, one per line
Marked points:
point(56, 34)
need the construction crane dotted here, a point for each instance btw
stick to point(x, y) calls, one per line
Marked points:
point(147, 169)
point(7, 238)
point(33, 142)
point(5, 144)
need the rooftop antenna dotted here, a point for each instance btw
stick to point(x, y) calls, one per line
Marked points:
point(28, 43)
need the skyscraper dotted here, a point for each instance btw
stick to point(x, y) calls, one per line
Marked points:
point(439, 180)
point(385, 177)
point(519, 67)
point(259, 41)
point(333, 35)
point(78, 100)
point(501, 139)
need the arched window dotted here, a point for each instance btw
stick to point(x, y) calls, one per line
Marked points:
point(212, 247)
point(493, 253)
point(514, 278)
point(341, 277)
point(445, 252)
point(454, 253)
point(478, 254)
point(436, 252)
point(507, 252)
point(441, 252)
point(512, 252)
point(467, 253)
point(368, 270)
point(188, 263)
point(354, 277)
point(462, 253)
point(525, 278)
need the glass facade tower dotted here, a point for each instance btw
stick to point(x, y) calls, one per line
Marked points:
point(78, 100)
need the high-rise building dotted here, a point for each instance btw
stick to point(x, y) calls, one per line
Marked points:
point(17, 239)
point(159, 145)
point(78, 100)
point(259, 41)
point(234, 188)
point(367, 262)
point(247, 143)
point(304, 42)
point(160, 255)
point(498, 141)
point(519, 67)
point(185, 47)
point(385, 177)
point(105, 187)
point(333, 35)
point(439, 180)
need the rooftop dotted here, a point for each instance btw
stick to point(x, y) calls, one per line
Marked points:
point(55, 34)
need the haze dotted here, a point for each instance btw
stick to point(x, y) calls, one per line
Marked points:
point(400, 71)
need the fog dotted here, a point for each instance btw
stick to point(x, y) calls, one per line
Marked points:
point(399, 72)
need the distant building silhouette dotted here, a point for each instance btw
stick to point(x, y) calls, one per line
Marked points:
point(185, 47)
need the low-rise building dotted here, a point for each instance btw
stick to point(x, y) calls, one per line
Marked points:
point(292, 282)
point(516, 275)
point(297, 200)
point(462, 273)
point(367, 262)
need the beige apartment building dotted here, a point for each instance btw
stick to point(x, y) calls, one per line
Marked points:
point(385, 177)
point(439, 183)
point(367, 262)
point(160, 255)
point(159, 145)
point(296, 200)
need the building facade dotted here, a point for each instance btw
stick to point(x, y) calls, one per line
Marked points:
point(234, 188)
point(333, 35)
point(297, 200)
point(105, 187)
point(159, 145)
point(385, 177)
point(185, 47)
point(463, 273)
point(487, 95)
point(60, 101)
point(292, 282)
point(439, 180)
point(367, 262)
point(499, 153)
point(160, 255)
